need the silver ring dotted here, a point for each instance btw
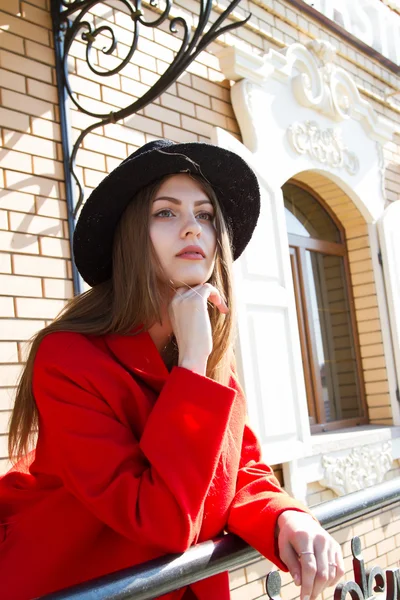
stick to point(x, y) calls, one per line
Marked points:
point(333, 565)
point(305, 552)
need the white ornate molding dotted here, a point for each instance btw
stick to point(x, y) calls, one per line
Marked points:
point(323, 145)
point(360, 468)
point(316, 82)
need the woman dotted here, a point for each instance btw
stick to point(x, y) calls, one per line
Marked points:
point(143, 448)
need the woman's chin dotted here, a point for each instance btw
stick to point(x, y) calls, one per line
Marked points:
point(190, 280)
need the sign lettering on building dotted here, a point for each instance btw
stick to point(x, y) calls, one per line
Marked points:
point(371, 21)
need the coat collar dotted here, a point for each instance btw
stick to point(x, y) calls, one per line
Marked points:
point(137, 352)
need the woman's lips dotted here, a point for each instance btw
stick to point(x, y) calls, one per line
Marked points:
point(191, 256)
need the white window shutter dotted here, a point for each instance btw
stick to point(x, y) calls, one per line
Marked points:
point(268, 350)
point(389, 238)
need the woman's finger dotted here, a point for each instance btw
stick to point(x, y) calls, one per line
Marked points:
point(308, 571)
point(322, 575)
point(289, 556)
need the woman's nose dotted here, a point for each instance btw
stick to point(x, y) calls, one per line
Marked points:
point(191, 226)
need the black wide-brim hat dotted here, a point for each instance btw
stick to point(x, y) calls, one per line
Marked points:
point(233, 181)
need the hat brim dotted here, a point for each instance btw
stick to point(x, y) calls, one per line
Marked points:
point(233, 181)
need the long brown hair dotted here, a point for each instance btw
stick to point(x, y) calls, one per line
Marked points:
point(130, 299)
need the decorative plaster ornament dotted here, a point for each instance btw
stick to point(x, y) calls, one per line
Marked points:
point(316, 82)
point(326, 146)
point(361, 468)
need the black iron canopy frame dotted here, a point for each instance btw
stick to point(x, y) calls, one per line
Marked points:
point(72, 20)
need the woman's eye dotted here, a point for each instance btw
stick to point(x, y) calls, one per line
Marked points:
point(166, 212)
point(206, 216)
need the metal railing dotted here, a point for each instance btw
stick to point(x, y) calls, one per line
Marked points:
point(157, 577)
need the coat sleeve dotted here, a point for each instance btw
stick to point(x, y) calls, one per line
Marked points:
point(258, 502)
point(151, 490)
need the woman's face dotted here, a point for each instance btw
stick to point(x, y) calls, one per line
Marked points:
point(182, 231)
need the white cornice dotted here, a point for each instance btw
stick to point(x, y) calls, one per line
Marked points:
point(315, 80)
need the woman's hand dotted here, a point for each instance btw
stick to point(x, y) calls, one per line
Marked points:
point(191, 324)
point(312, 556)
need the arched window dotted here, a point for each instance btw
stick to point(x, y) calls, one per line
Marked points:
point(329, 341)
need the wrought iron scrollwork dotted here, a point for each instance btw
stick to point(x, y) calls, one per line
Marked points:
point(367, 582)
point(71, 20)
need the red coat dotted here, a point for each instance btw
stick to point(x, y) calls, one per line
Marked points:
point(129, 466)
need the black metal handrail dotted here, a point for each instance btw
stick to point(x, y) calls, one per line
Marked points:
point(157, 577)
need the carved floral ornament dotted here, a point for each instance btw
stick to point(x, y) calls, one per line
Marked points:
point(361, 468)
point(325, 146)
point(316, 82)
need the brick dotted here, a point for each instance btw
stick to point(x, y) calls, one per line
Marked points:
point(6, 398)
point(46, 129)
point(36, 15)
point(92, 178)
point(124, 134)
point(195, 96)
point(225, 108)
point(18, 242)
point(55, 247)
point(8, 41)
point(16, 160)
point(12, 200)
point(58, 288)
point(6, 307)
point(378, 400)
point(34, 185)
point(3, 219)
point(258, 569)
point(30, 144)
point(178, 135)
point(12, 81)
point(40, 53)
point(132, 87)
point(47, 207)
point(237, 578)
point(109, 147)
point(85, 87)
point(211, 117)
point(376, 414)
point(144, 124)
point(39, 266)
point(149, 78)
point(28, 105)
point(375, 375)
point(38, 308)
point(212, 89)
point(4, 421)
point(8, 353)
point(16, 120)
point(113, 163)
point(94, 160)
point(25, 66)
point(366, 302)
point(47, 167)
point(9, 374)
point(42, 90)
point(196, 68)
point(83, 71)
point(246, 592)
point(5, 264)
point(177, 104)
point(19, 329)
point(196, 126)
point(162, 114)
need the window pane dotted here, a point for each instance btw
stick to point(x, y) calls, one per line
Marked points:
point(333, 339)
point(305, 216)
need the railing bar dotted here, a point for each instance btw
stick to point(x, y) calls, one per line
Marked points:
point(160, 576)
